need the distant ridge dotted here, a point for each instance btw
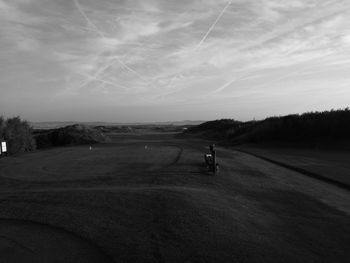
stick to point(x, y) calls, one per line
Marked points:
point(60, 124)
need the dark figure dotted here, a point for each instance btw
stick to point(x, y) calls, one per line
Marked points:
point(207, 159)
point(210, 160)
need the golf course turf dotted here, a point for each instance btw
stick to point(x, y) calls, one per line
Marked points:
point(150, 198)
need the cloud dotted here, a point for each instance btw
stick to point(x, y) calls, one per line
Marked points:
point(131, 29)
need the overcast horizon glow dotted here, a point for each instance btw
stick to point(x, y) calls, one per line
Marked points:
point(153, 60)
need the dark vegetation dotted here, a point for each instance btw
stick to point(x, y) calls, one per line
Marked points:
point(327, 126)
point(21, 137)
point(17, 134)
point(307, 127)
point(70, 135)
point(117, 129)
point(144, 128)
point(218, 129)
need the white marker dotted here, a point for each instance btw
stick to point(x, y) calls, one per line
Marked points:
point(3, 147)
point(90, 148)
point(145, 147)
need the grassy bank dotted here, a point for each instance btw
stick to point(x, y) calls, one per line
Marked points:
point(313, 129)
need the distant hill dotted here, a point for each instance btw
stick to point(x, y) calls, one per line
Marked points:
point(114, 128)
point(76, 134)
point(218, 129)
point(55, 124)
point(305, 128)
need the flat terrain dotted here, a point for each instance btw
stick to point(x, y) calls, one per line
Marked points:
point(149, 198)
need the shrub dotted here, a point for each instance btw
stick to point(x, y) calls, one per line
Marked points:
point(218, 129)
point(69, 135)
point(17, 134)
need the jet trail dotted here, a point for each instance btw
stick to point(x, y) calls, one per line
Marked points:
point(130, 69)
point(213, 25)
point(89, 22)
point(225, 86)
point(103, 81)
point(103, 69)
point(97, 74)
point(266, 84)
point(206, 35)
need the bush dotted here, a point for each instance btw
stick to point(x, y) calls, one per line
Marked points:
point(69, 135)
point(218, 129)
point(17, 134)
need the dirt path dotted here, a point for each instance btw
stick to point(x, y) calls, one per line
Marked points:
point(159, 204)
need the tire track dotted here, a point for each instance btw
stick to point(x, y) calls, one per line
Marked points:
point(159, 210)
point(16, 243)
point(57, 231)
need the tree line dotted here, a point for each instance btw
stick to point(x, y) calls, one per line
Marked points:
point(333, 125)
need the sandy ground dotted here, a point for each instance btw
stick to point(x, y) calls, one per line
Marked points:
point(126, 202)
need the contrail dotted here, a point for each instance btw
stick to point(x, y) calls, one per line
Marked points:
point(130, 69)
point(97, 74)
point(213, 25)
point(116, 58)
point(103, 81)
point(225, 86)
point(206, 35)
point(89, 22)
point(81, 11)
point(104, 68)
point(285, 76)
point(112, 83)
point(101, 70)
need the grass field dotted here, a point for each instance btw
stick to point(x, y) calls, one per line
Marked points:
point(149, 198)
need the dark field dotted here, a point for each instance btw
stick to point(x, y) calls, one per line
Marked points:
point(124, 202)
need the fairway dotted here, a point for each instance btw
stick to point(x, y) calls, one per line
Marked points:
point(150, 198)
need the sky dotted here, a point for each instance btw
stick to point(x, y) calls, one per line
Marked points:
point(168, 60)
